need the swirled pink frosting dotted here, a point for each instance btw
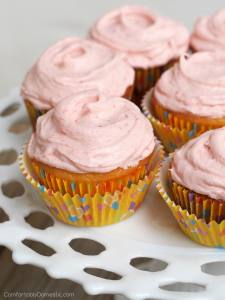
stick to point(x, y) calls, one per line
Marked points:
point(86, 134)
point(209, 33)
point(200, 164)
point(73, 65)
point(146, 39)
point(195, 85)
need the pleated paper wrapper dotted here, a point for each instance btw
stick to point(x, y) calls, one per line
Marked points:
point(145, 79)
point(203, 221)
point(172, 137)
point(93, 209)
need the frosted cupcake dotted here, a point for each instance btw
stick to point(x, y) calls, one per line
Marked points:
point(189, 99)
point(192, 183)
point(209, 32)
point(73, 65)
point(197, 172)
point(149, 42)
point(96, 151)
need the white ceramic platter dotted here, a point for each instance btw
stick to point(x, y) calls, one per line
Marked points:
point(177, 268)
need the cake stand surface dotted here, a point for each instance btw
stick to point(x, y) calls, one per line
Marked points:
point(144, 257)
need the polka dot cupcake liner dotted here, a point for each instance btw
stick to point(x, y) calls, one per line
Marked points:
point(194, 125)
point(147, 78)
point(171, 137)
point(97, 209)
point(73, 185)
point(203, 207)
point(200, 218)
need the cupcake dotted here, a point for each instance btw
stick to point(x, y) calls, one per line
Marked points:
point(188, 99)
point(209, 32)
point(149, 42)
point(93, 158)
point(194, 187)
point(70, 66)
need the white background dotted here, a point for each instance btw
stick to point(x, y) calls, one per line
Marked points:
point(27, 27)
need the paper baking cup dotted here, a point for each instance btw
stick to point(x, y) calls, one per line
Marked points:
point(208, 231)
point(33, 113)
point(146, 78)
point(73, 187)
point(202, 206)
point(171, 137)
point(98, 209)
point(194, 125)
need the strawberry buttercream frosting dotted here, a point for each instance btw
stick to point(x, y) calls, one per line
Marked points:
point(87, 133)
point(209, 33)
point(145, 38)
point(200, 164)
point(195, 85)
point(73, 65)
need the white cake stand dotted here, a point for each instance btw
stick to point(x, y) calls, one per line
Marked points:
point(174, 267)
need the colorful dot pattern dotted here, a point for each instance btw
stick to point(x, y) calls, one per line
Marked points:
point(198, 229)
point(80, 209)
point(98, 209)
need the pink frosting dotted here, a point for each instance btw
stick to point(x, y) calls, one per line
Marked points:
point(195, 85)
point(209, 33)
point(146, 39)
point(200, 164)
point(73, 65)
point(86, 133)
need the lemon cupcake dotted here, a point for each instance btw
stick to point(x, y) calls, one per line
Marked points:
point(73, 65)
point(209, 32)
point(188, 99)
point(150, 43)
point(94, 152)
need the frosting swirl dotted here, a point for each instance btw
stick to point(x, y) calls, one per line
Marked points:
point(87, 133)
point(209, 32)
point(73, 65)
point(195, 85)
point(146, 39)
point(200, 164)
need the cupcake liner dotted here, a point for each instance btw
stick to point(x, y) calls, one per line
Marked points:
point(146, 79)
point(194, 125)
point(51, 181)
point(202, 206)
point(33, 113)
point(171, 137)
point(92, 210)
point(203, 224)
